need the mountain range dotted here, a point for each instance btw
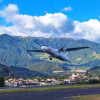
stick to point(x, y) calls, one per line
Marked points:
point(13, 53)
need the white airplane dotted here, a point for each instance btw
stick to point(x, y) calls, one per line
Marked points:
point(57, 53)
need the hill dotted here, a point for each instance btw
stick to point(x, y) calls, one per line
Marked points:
point(16, 72)
point(48, 67)
point(13, 52)
point(94, 71)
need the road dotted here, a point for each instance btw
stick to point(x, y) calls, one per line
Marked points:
point(49, 95)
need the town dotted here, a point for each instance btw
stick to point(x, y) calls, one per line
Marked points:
point(77, 76)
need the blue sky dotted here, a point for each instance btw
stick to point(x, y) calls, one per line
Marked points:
point(82, 10)
point(78, 19)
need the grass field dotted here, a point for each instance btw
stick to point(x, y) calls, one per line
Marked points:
point(88, 97)
point(48, 88)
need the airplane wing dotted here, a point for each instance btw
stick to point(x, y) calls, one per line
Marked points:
point(72, 49)
point(34, 51)
point(77, 48)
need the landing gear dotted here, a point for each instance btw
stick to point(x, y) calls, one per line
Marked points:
point(50, 58)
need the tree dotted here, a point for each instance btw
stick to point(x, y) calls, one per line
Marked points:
point(2, 82)
point(93, 81)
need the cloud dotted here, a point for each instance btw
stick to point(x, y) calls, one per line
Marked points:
point(67, 9)
point(49, 25)
point(86, 30)
point(89, 30)
point(9, 12)
point(1, 1)
point(3, 29)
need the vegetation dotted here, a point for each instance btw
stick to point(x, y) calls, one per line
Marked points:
point(49, 88)
point(94, 71)
point(47, 67)
point(13, 52)
point(2, 82)
point(88, 97)
point(91, 81)
point(16, 72)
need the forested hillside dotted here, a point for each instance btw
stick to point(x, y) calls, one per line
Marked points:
point(13, 52)
point(95, 71)
point(7, 71)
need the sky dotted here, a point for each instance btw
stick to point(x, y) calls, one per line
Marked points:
point(77, 19)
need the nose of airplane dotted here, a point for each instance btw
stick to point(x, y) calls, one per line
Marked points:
point(43, 48)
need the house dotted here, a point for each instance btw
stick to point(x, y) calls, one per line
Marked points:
point(69, 81)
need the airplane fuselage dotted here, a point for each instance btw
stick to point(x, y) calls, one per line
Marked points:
point(57, 53)
point(54, 53)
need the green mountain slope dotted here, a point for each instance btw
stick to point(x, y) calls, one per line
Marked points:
point(13, 52)
point(16, 72)
point(47, 67)
point(94, 71)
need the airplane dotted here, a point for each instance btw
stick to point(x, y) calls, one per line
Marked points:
point(57, 53)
